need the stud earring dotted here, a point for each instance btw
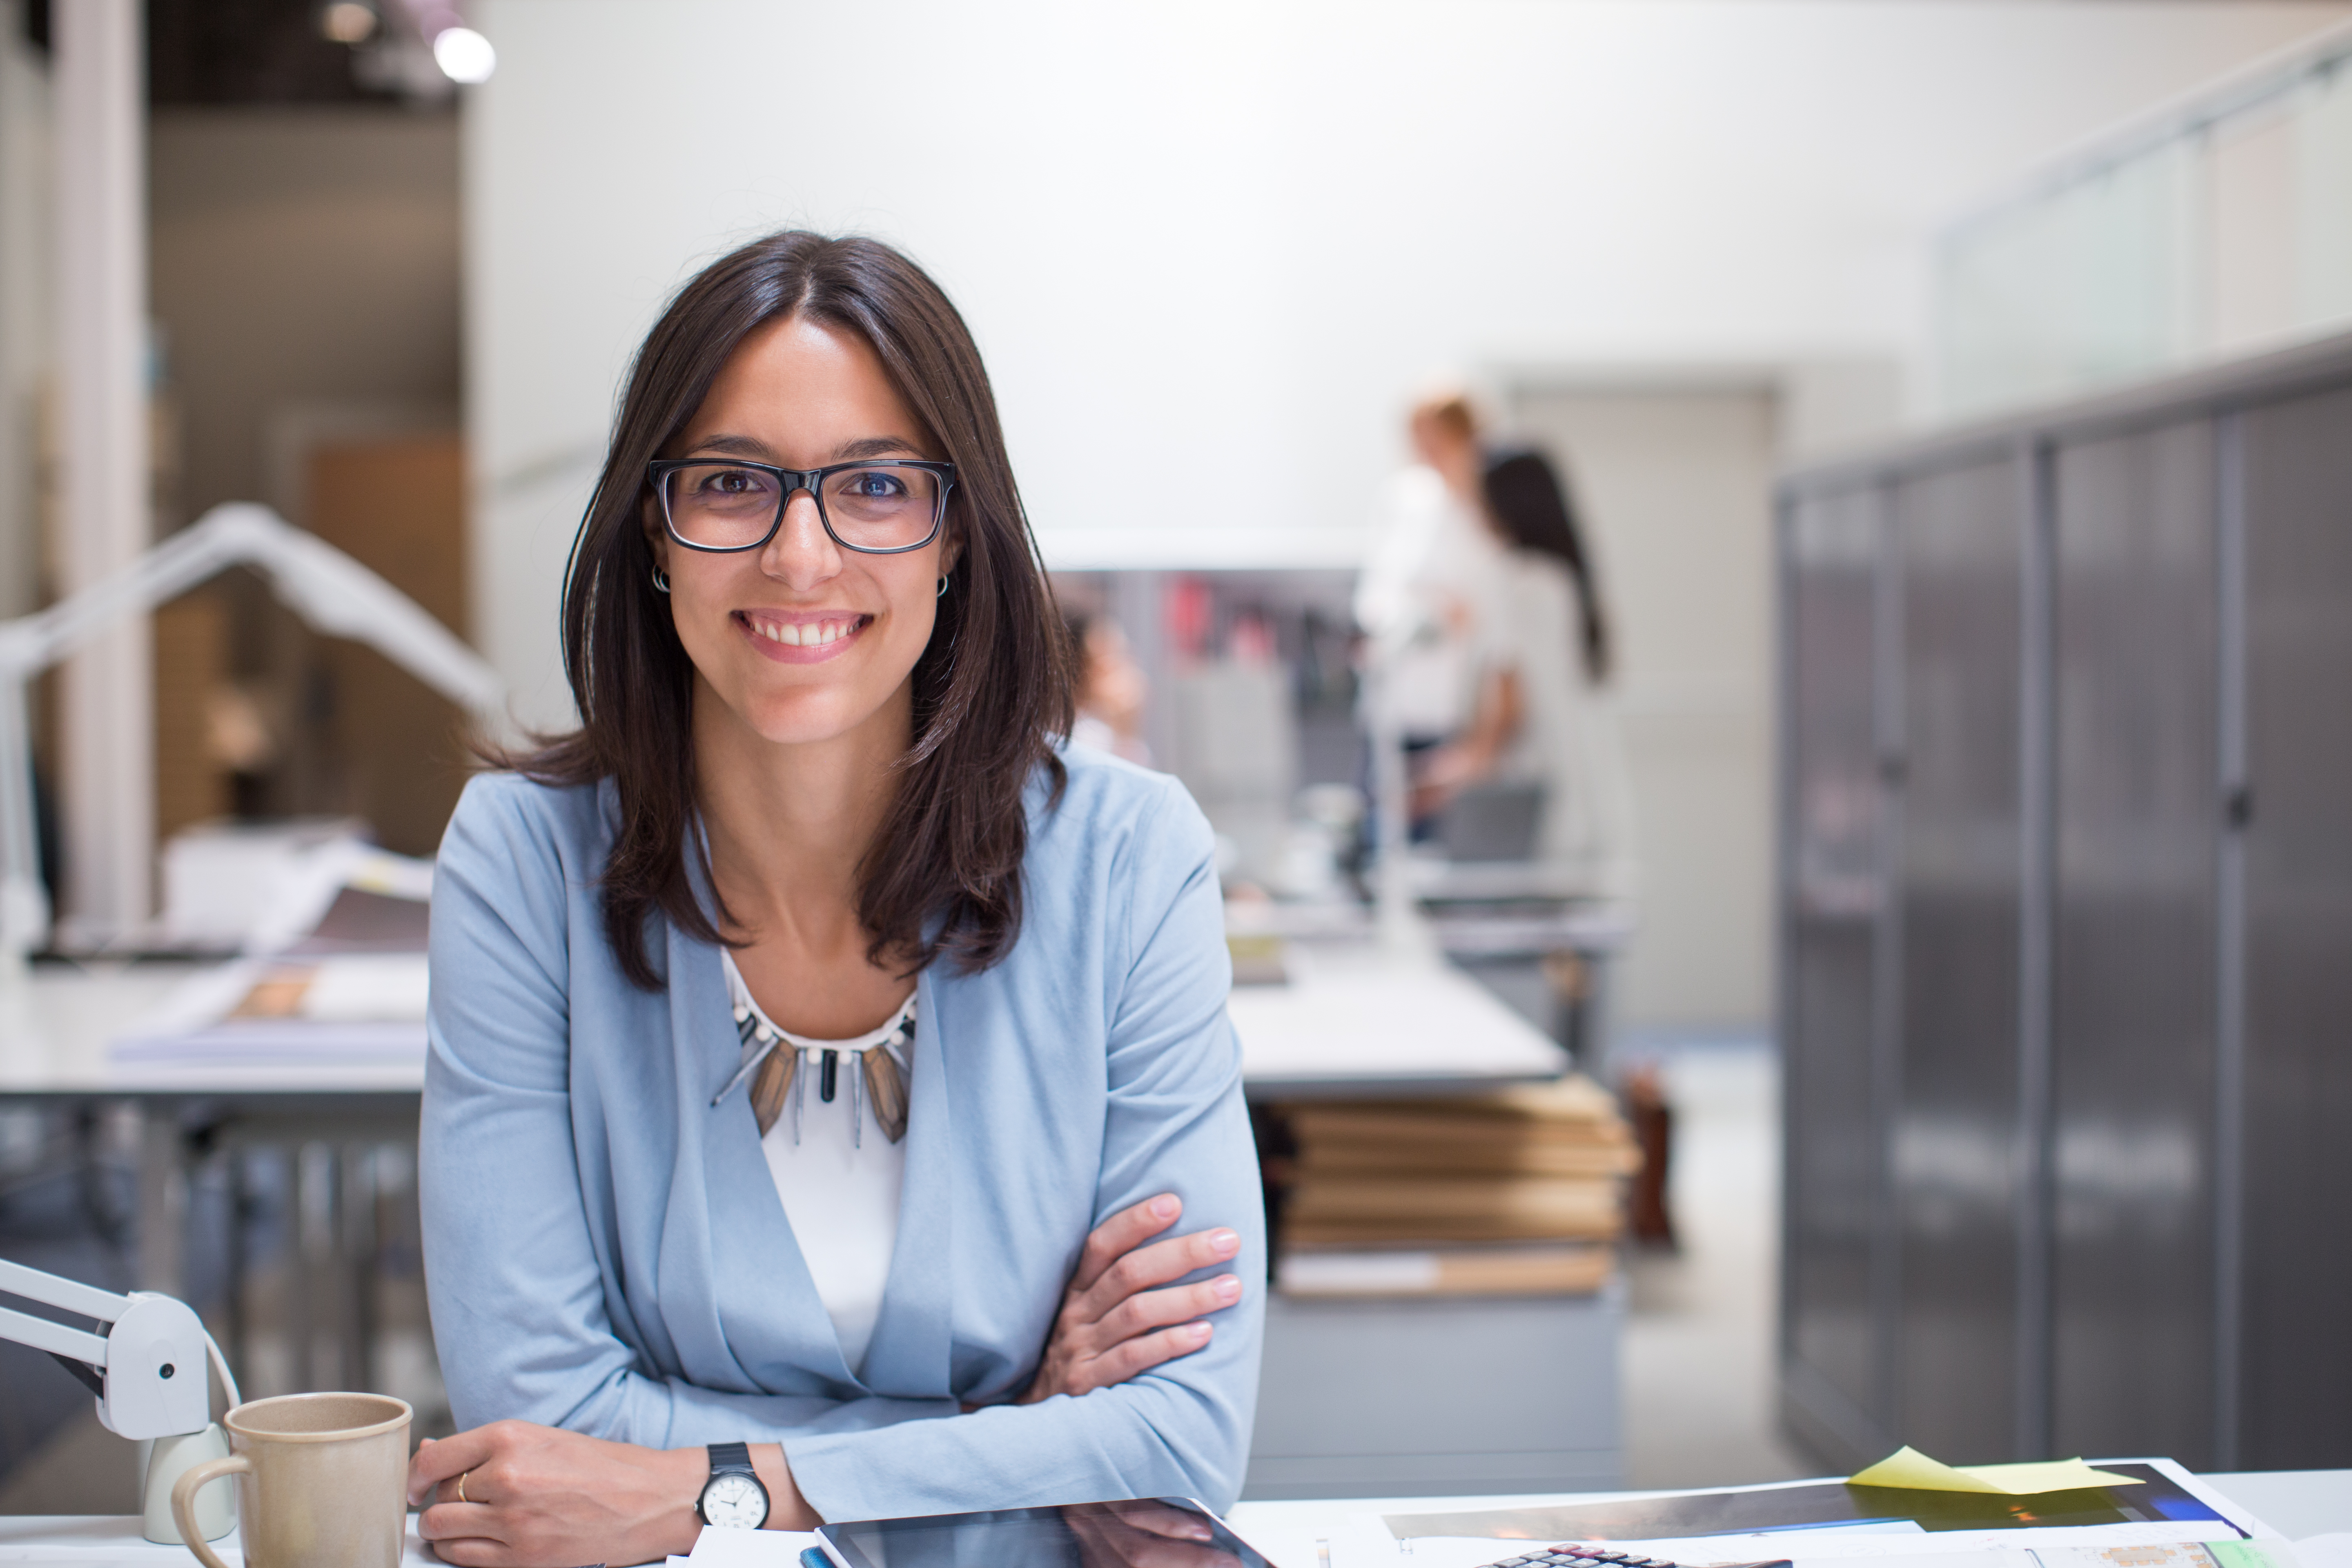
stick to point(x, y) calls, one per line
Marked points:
point(661, 581)
point(943, 587)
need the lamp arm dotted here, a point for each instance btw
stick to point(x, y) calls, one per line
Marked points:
point(146, 1363)
point(319, 583)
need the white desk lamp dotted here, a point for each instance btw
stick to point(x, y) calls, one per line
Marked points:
point(329, 589)
point(146, 1363)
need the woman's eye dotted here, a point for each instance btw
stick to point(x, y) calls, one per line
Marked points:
point(875, 486)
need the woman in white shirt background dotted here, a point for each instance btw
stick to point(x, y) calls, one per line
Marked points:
point(1430, 598)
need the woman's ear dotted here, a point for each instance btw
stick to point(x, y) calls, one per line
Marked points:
point(649, 517)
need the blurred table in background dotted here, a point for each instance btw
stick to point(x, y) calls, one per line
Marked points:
point(347, 1130)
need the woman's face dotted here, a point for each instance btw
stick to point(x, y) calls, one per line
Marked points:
point(801, 639)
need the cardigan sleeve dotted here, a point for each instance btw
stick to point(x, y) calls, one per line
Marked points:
point(521, 1315)
point(1175, 1122)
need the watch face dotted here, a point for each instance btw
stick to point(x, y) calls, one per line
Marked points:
point(734, 1502)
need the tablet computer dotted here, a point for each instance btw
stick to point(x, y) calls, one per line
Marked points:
point(1149, 1532)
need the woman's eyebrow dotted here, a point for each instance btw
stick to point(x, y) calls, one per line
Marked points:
point(874, 447)
point(751, 447)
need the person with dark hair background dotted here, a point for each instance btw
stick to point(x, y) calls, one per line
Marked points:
point(817, 1043)
point(1540, 716)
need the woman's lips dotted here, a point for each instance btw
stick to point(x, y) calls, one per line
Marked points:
point(806, 640)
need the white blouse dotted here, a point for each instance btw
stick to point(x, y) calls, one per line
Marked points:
point(837, 1172)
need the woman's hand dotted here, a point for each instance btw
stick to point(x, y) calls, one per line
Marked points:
point(535, 1497)
point(1114, 1323)
point(1143, 1535)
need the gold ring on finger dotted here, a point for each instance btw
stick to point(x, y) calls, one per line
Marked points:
point(461, 1485)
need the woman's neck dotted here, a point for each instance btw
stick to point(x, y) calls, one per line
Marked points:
point(789, 825)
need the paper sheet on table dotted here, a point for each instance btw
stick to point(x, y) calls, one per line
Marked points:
point(1908, 1469)
point(1364, 1548)
point(751, 1548)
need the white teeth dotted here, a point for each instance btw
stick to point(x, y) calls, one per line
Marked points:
point(796, 634)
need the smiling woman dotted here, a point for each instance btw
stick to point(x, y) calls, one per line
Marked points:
point(684, 1268)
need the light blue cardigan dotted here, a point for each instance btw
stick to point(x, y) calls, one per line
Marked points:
point(604, 1249)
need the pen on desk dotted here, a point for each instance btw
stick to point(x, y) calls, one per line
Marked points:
point(813, 1558)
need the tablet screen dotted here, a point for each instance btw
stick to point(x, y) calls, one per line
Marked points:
point(1160, 1532)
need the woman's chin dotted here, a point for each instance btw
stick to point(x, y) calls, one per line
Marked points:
point(808, 717)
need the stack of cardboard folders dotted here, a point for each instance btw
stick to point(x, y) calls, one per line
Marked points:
point(1519, 1191)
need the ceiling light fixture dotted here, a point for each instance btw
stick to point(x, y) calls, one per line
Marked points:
point(464, 55)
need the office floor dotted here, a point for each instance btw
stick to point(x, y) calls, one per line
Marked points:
point(1698, 1341)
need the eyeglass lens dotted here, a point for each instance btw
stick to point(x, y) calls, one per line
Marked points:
point(873, 506)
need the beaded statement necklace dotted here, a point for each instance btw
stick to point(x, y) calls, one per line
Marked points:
point(775, 1059)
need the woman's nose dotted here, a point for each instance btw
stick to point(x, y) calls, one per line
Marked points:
point(802, 555)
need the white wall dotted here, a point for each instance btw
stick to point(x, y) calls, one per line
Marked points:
point(1209, 248)
point(1673, 484)
point(27, 241)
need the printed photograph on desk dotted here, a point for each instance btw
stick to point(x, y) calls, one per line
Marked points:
point(2157, 1495)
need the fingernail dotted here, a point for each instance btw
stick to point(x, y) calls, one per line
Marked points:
point(1228, 1287)
point(1164, 1206)
point(1224, 1243)
point(1196, 1332)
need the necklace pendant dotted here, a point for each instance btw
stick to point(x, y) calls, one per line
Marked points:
point(828, 1081)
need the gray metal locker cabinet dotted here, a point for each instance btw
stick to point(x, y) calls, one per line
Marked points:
point(2135, 830)
point(1958, 536)
point(1835, 901)
point(2294, 1397)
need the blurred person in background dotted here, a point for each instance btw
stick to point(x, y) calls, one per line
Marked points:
point(1431, 598)
point(1110, 688)
point(1540, 715)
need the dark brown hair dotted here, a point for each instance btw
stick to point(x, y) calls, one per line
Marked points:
point(991, 690)
point(1524, 495)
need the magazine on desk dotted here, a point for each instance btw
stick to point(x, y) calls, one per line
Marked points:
point(2171, 1520)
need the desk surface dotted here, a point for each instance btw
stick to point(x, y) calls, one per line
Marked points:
point(1356, 1018)
point(55, 1034)
point(2298, 1504)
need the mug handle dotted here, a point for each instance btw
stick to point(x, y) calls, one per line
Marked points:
point(183, 1501)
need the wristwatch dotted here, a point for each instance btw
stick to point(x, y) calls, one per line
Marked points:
point(732, 1498)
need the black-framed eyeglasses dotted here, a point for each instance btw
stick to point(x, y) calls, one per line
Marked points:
point(880, 507)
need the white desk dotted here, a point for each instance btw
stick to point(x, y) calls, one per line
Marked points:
point(103, 1540)
point(1355, 1018)
point(2298, 1504)
point(1358, 1018)
point(55, 1036)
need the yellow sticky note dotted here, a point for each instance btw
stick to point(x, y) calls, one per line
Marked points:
point(1912, 1470)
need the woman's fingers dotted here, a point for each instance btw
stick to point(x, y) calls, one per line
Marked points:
point(1159, 1519)
point(1140, 1354)
point(1156, 1308)
point(449, 1458)
point(1147, 1267)
point(1121, 1234)
point(451, 1521)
